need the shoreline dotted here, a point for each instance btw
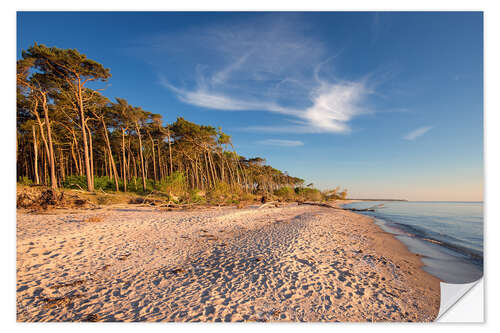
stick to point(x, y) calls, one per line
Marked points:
point(443, 262)
point(294, 263)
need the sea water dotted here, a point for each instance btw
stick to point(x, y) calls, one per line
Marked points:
point(448, 235)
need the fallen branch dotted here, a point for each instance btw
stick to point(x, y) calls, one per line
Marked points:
point(100, 189)
point(275, 203)
point(369, 209)
point(316, 204)
point(82, 190)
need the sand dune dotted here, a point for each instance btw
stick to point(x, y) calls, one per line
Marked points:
point(297, 263)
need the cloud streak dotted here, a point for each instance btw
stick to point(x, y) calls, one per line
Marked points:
point(271, 67)
point(417, 133)
point(333, 105)
point(281, 143)
point(205, 98)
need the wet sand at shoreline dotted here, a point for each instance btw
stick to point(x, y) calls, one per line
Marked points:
point(296, 263)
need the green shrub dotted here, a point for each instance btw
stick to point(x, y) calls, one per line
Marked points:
point(100, 183)
point(25, 181)
point(104, 183)
point(174, 184)
point(286, 193)
point(75, 182)
point(197, 196)
point(134, 184)
point(244, 196)
point(306, 193)
point(221, 192)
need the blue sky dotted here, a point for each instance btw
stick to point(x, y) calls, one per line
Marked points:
point(387, 104)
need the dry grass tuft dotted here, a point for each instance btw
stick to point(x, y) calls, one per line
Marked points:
point(95, 218)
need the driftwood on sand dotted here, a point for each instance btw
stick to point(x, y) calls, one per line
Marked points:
point(278, 204)
point(269, 204)
point(369, 209)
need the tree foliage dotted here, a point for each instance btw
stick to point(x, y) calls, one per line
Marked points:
point(70, 135)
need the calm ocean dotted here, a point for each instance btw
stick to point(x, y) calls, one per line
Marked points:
point(449, 235)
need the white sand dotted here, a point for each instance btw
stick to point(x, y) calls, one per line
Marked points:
point(298, 263)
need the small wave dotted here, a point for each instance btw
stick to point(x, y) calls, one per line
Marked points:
point(474, 255)
point(427, 236)
point(439, 227)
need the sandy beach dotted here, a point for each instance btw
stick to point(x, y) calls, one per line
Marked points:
point(294, 263)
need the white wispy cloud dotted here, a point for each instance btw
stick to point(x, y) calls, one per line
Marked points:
point(212, 100)
point(416, 133)
point(281, 143)
point(270, 66)
point(334, 105)
point(223, 75)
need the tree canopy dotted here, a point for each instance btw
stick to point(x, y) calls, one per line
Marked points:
point(71, 135)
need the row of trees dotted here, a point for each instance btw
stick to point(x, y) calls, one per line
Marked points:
point(66, 129)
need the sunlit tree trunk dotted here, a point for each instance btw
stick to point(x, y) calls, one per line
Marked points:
point(61, 165)
point(53, 179)
point(88, 171)
point(35, 151)
point(74, 158)
point(91, 155)
point(124, 171)
point(141, 157)
point(105, 164)
point(154, 156)
point(111, 159)
point(207, 171)
point(134, 164)
point(170, 151)
point(160, 169)
point(45, 173)
point(212, 169)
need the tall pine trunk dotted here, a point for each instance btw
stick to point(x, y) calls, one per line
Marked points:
point(111, 159)
point(124, 171)
point(154, 156)
point(91, 155)
point(143, 171)
point(52, 164)
point(170, 152)
point(88, 171)
point(35, 150)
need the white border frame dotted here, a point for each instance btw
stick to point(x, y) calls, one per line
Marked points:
point(7, 132)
